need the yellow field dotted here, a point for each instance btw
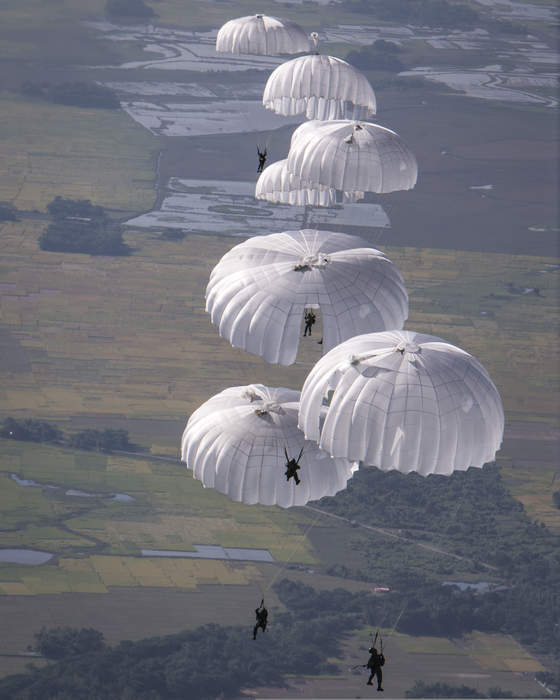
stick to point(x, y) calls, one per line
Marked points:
point(423, 645)
point(98, 573)
point(96, 154)
point(501, 653)
point(534, 488)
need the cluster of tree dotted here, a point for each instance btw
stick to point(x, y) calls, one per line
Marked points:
point(8, 212)
point(431, 13)
point(78, 94)
point(60, 208)
point(129, 8)
point(32, 430)
point(63, 642)
point(473, 514)
point(381, 55)
point(78, 226)
point(446, 690)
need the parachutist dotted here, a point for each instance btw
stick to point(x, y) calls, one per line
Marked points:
point(375, 662)
point(292, 465)
point(262, 618)
point(309, 321)
point(262, 159)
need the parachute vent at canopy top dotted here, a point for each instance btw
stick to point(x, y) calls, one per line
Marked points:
point(263, 35)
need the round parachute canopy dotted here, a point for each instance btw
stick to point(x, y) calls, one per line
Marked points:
point(263, 35)
point(237, 443)
point(258, 292)
point(352, 156)
point(403, 400)
point(322, 87)
point(276, 184)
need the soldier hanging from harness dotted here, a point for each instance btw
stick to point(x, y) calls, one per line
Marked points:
point(292, 465)
point(375, 662)
point(262, 159)
point(309, 321)
point(261, 614)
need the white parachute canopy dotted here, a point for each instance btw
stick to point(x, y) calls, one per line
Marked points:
point(258, 292)
point(237, 441)
point(276, 184)
point(352, 156)
point(322, 87)
point(263, 35)
point(403, 400)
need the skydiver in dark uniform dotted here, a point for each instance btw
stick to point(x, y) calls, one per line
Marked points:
point(292, 465)
point(309, 321)
point(262, 159)
point(262, 618)
point(375, 662)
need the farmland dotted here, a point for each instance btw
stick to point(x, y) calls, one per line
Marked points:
point(41, 162)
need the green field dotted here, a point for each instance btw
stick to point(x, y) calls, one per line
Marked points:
point(109, 159)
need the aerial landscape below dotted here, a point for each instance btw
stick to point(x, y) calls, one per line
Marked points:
point(279, 290)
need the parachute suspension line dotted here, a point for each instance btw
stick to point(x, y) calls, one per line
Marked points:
point(404, 607)
point(387, 209)
point(294, 550)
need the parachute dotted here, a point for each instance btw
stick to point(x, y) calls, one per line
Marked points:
point(237, 442)
point(351, 156)
point(276, 184)
point(403, 400)
point(322, 87)
point(258, 292)
point(261, 34)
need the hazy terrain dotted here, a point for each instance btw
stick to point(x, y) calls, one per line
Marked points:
point(98, 341)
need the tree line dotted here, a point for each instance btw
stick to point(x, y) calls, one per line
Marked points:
point(34, 430)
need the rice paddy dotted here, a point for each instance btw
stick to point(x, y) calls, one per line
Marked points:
point(109, 159)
